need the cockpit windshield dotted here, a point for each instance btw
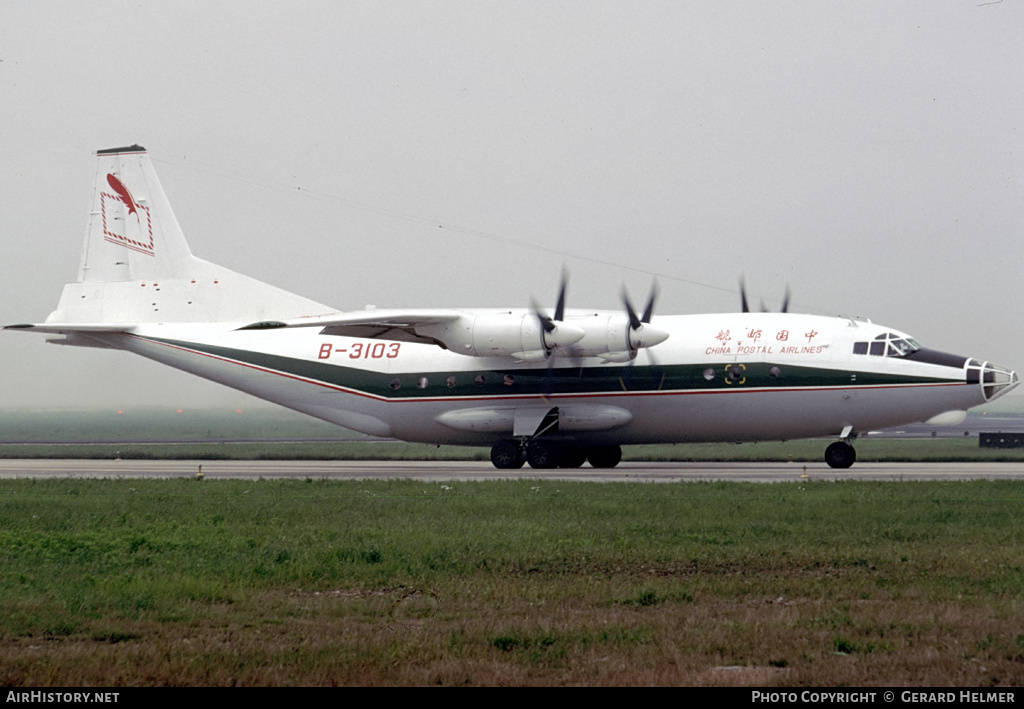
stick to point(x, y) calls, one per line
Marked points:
point(888, 344)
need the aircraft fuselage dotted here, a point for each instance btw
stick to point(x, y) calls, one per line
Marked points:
point(718, 377)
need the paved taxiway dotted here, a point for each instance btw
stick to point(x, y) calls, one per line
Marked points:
point(464, 471)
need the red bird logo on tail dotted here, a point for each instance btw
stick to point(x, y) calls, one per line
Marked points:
point(124, 194)
point(136, 236)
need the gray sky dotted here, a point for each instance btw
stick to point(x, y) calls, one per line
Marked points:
point(458, 154)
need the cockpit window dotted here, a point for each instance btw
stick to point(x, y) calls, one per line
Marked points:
point(898, 348)
point(888, 344)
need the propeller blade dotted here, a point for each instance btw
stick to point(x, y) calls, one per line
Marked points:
point(745, 306)
point(556, 333)
point(543, 318)
point(560, 305)
point(649, 309)
point(634, 321)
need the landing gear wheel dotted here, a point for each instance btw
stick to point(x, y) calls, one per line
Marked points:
point(542, 456)
point(840, 455)
point(604, 456)
point(572, 457)
point(505, 455)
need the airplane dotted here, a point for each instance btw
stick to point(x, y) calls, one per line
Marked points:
point(552, 389)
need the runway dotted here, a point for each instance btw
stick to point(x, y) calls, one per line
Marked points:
point(469, 471)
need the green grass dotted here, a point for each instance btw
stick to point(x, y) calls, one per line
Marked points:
point(516, 582)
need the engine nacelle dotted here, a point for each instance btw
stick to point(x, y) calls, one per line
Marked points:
point(511, 334)
point(605, 334)
point(521, 335)
point(612, 338)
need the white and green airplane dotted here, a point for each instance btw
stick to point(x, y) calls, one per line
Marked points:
point(551, 389)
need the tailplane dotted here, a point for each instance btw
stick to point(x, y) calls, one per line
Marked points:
point(137, 267)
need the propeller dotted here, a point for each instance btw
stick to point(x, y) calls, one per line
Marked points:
point(785, 301)
point(746, 307)
point(641, 333)
point(555, 333)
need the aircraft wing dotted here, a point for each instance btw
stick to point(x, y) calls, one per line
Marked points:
point(424, 326)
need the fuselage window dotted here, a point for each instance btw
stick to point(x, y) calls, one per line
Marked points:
point(395, 383)
point(450, 381)
point(423, 382)
point(508, 380)
point(479, 380)
point(775, 372)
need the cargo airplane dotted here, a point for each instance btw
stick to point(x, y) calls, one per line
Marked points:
point(552, 389)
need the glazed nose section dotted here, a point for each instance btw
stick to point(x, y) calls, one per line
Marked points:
point(995, 380)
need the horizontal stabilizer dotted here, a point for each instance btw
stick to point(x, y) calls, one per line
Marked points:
point(63, 328)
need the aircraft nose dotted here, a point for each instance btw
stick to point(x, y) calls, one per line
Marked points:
point(996, 380)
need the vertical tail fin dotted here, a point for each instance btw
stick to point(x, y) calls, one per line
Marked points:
point(136, 266)
point(133, 234)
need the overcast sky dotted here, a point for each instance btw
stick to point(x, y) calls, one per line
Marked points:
point(458, 154)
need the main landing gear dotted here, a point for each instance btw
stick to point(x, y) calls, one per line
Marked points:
point(840, 455)
point(510, 455)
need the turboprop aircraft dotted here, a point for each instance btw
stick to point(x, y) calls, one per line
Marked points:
point(552, 389)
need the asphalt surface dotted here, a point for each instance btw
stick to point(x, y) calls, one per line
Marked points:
point(466, 471)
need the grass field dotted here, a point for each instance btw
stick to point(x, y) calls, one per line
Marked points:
point(154, 582)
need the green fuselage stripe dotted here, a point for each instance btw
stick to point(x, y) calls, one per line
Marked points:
point(532, 382)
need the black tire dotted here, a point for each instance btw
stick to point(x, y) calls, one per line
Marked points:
point(604, 456)
point(840, 455)
point(542, 456)
point(572, 457)
point(505, 455)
